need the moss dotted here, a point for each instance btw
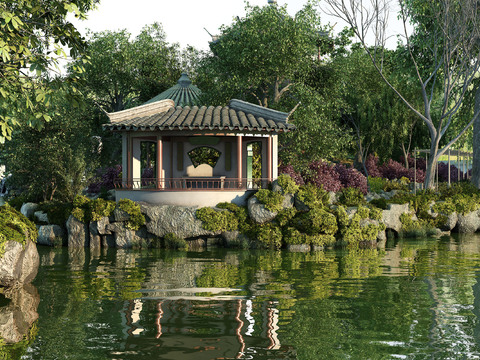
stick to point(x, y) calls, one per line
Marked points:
point(15, 227)
point(316, 221)
point(272, 200)
point(287, 184)
point(213, 220)
point(312, 196)
point(136, 217)
point(172, 241)
point(351, 197)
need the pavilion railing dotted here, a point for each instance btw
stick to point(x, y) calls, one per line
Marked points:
point(191, 183)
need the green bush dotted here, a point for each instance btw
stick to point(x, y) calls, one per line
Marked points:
point(316, 221)
point(312, 196)
point(379, 203)
point(57, 212)
point(351, 197)
point(284, 216)
point(269, 235)
point(241, 212)
point(15, 227)
point(292, 236)
point(136, 217)
point(287, 184)
point(214, 220)
point(100, 208)
point(272, 200)
point(376, 184)
point(172, 241)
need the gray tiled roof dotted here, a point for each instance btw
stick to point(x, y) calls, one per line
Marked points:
point(183, 93)
point(164, 116)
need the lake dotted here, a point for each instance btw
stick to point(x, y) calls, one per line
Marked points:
point(414, 299)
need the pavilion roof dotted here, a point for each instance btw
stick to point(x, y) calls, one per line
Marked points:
point(165, 116)
point(183, 93)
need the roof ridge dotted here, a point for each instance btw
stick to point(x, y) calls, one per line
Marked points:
point(258, 110)
point(142, 110)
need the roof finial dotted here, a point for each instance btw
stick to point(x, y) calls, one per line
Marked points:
point(272, 2)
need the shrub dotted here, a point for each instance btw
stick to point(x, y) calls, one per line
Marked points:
point(269, 235)
point(351, 197)
point(284, 216)
point(292, 236)
point(172, 241)
point(313, 196)
point(352, 178)
point(316, 221)
point(372, 166)
point(100, 208)
point(287, 184)
point(379, 203)
point(104, 179)
point(290, 171)
point(81, 208)
point(57, 212)
point(324, 175)
point(213, 220)
point(136, 217)
point(272, 200)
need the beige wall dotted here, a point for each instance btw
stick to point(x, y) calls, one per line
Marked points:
point(184, 198)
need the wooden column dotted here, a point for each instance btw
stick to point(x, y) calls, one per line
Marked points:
point(239, 160)
point(129, 161)
point(159, 162)
point(269, 158)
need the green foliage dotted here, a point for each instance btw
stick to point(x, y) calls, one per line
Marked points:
point(287, 184)
point(284, 216)
point(292, 236)
point(269, 235)
point(241, 212)
point(15, 227)
point(272, 200)
point(316, 221)
point(379, 203)
point(312, 196)
point(377, 184)
point(33, 36)
point(351, 197)
point(204, 155)
point(81, 209)
point(376, 213)
point(100, 208)
point(216, 221)
point(358, 228)
point(57, 212)
point(174, 242)
point(136, 217)
point(415, 228)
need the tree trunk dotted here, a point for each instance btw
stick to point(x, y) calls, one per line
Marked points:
point(476, 142)
point(431, 165)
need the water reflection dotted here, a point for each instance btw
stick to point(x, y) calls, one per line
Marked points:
point(18, 316)
point(411, 299)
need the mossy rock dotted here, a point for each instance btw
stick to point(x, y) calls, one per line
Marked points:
point(15, 227)
point(133, 209)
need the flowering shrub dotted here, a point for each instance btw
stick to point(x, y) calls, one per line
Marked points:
point(352, 178)
point(290, 171)
point(104, 179)
point(372, 166)
point(395, 170)
point(321, 173)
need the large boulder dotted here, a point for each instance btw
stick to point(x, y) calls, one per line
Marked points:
point(258, 212)
point(28, 209)
point(126, 238)
point(468, 223)
point(51, 235)
point(98, 231)
point(41, 217)
point(179, 220)
point(391, 216)
point(19, 263)
point(78, 234)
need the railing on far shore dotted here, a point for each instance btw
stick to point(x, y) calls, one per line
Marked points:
point(191, 183)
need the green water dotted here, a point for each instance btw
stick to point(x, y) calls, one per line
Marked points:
point(411, 300)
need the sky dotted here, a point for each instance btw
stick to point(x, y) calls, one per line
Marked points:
point(184, 21)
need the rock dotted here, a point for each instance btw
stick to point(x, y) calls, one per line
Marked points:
point(391, 216)
point(78, 234)
point(40, 216)
point(51, 235)
point(451, 222)
point(288, 201)
point(196, 244)
point(333, 198)
point(258, 213)
point(126, 238)
point(179, 220)
point(300, 205)
point(28, 209)
point(234, 239)
point(468, 223)
point(318, 247)
point(110, 195)
point(18, 265)
point(381, 236)
point(298, 247)
point(119, 215)
point(18, 316)
point(372, 196)
point(214, 242)
point(98, 230)
point(276, 187)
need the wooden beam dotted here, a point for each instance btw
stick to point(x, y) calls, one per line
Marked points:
point(239, 160)
point(159, 162)
point(269, 158)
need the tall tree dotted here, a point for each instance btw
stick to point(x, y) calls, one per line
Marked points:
point(32, 36)
point(124, 72)
point(443, 49)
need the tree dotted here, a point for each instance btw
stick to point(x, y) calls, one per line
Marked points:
point(32, 36)
point(123, 73)
point(443, 50)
